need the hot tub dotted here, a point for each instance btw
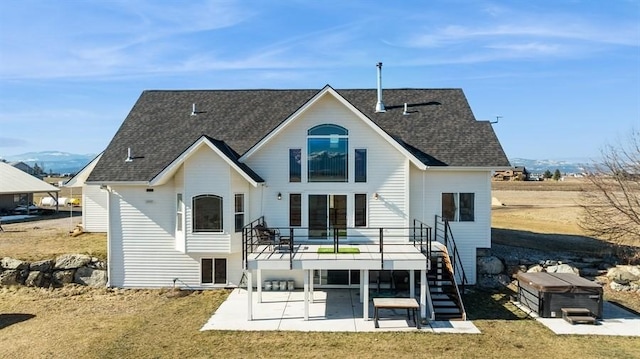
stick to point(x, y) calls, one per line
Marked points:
point(547, 293)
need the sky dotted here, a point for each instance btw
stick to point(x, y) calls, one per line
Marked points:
point(562, 77)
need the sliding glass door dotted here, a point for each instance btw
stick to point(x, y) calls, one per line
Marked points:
point(326, 212)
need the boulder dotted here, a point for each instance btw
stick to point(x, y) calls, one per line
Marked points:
point(623, 274)
point(489, 265)
point(12, 263)
point(72, 261)
point(563, 268)
point(91, 277)
point(34, 279)
point(10, 277)
point(42, 266)
point(619, 287)
point(63, 276)
point(535, 269)
point(590, 272)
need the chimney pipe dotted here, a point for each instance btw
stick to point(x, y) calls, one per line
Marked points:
point(380, 105)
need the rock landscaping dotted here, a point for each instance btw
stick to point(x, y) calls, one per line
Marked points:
point(65, 269)
point(498, 267)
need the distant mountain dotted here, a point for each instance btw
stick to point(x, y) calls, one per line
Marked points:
point(569, 166)
point(53, 161)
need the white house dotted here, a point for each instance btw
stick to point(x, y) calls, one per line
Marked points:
point(94, 199)
point(192, 176)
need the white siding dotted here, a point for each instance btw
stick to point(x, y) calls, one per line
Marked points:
point(207, 173)
point(142, 250)
point(94, 209)
point(468, 235)
point(387, 172)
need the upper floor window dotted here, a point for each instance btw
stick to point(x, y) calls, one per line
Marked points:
point(239, 211)
point(179, 212)
point(327, 153)
point(361, 165)
point(295, 165)
point(207, 213)
point(458, 207)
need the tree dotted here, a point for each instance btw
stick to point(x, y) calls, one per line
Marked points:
point(556, 175)
point(611, 210)
point(547, 174)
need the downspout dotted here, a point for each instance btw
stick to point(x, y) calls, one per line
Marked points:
point(108, 236)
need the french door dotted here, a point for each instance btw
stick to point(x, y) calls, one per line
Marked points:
point(326, 212)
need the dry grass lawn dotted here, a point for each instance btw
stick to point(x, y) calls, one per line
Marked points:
point(49, 238)
point(82, 322)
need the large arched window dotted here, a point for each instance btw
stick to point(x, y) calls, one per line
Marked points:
point(207, 213)
point(328, 146)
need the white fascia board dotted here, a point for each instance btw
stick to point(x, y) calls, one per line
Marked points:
point(81, 177)
point(168, 171)
point(329, 90)
point(463, 168)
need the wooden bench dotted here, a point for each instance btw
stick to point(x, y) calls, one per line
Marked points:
point(578, 316)
point(410, 304)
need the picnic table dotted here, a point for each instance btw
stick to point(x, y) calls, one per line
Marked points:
point(410, 304)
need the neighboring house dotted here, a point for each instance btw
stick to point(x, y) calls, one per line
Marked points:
point(190, 174)
point(23, 167)
point(17, 189)
point(95, 217)
point(512, 174)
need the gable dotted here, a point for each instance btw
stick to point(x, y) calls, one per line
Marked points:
point(329, 107)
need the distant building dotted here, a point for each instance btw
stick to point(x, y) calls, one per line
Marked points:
point(23, 167)
point(515, 174)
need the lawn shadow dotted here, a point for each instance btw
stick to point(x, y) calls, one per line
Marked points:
point(13, 318)
point(491, 304)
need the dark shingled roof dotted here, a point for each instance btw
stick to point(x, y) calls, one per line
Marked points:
point(440, 130)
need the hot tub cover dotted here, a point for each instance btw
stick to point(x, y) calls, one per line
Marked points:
point(559, 283)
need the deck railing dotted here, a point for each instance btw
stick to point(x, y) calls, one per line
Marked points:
point(419, 236)
point(444, 235)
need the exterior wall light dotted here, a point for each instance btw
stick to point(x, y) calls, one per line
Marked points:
point(279, 196)
point(375, 196)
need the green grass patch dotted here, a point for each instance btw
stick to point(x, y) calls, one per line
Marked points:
point(347, 250)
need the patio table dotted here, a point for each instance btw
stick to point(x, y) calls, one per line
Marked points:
point(410, 304)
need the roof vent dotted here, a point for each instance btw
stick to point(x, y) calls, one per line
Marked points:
point(405, 112)
point(193, 110)
point(129, 158)
point(380, 105)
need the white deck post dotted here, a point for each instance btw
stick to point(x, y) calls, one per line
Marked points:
point(365, 296)
point(311, 289)
point(306, 295)
point(423, 293)
point(259, 281)
point(361, 285)
point(250, 293)
point(412, 283)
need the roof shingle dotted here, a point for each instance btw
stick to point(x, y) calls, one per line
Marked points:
point(440, 129)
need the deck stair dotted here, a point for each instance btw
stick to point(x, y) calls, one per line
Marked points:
point(445, 296)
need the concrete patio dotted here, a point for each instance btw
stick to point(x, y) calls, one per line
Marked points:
point(334, 310)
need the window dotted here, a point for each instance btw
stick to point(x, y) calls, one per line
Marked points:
point(295, 210)
point(179, 212)
point(360, 210)
point(327, 153)
point(467, 207)
point(295, 167)
point(207, 213)
point(458, 207)
point(206, 271)
point(213, 271)
point(239, 211)
point(361, 165)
